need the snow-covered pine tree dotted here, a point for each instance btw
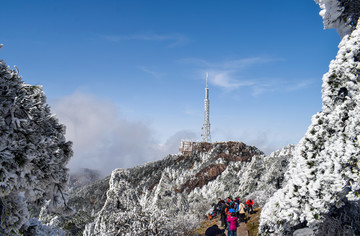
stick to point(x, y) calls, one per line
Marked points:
point(342, 15)
point(324, 174)
point(33, 152)
point(264, 175)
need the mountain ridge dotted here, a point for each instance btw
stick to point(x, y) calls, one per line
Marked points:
point(172, 195)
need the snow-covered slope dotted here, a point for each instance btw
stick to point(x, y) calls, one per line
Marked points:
point(172, 195)
point(169, 195)
point(264, 175)
point(323, 177)
point(87, 201)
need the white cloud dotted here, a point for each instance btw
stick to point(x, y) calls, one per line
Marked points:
point(245, 62)
point(299, 85)
point(153, 73)
point(229, 75)
point(225, 79)
point(171, 146)
point(264, 85)
point(266, 140)
point(172, 40)
point(236, 64)
point(104, 140)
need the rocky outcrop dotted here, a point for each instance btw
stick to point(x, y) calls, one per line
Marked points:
point(203, 177)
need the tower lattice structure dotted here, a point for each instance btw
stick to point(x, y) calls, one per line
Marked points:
point(206, 136)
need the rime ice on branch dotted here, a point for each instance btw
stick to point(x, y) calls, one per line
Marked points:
point(324, 174)
point(341, 15)
point(33, 152)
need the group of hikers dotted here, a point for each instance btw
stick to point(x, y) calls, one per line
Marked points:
point(231, 211)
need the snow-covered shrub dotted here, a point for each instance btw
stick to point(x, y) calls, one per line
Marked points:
point(264, 175)
point(36, 228)
point(33, 151)
point(324, 172)
point(142, 223)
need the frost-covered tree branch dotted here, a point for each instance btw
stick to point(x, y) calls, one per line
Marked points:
point(324, 174)
point(33, 151)
point(341, 15)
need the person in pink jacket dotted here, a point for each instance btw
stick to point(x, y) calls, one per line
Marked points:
point(233, 224)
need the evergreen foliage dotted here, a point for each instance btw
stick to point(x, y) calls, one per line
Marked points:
point(351, 12)
point(324, 174)
point(33, 152)
point(342, 15)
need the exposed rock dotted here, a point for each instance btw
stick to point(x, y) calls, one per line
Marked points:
point(203, 177)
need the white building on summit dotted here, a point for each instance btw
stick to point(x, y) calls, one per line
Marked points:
point(206, 136)
point(186, 147)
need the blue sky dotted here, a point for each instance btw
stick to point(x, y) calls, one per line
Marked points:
point(128, 77)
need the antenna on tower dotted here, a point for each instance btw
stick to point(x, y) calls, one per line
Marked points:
point(206, 137)
point(207, 79)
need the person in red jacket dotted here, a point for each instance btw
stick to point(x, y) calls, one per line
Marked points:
point(233, 224)
point(249, 204)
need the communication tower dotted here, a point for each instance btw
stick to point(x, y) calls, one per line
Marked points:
point(206, 137)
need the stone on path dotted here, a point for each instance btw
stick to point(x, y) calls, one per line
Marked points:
point(304, 232)
point(242, 230)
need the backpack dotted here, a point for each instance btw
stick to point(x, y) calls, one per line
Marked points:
point(242, 208)
point(228, 215)
point(236, 208)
